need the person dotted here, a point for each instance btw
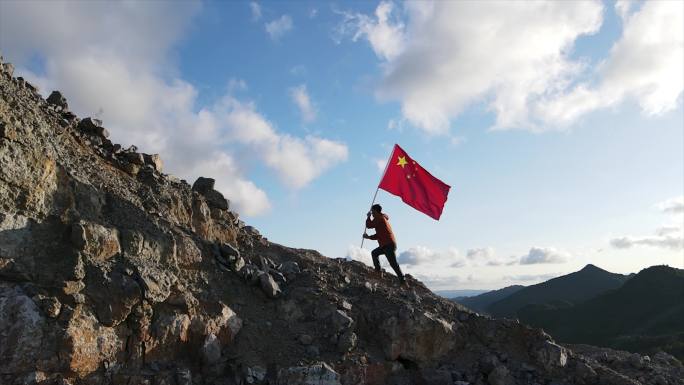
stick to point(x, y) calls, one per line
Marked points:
point(386, 241)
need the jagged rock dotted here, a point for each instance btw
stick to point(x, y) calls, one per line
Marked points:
point(269, 285)
point(85, 344)
point(317, 374)
point(93, 126)
point(8, 68)
point(340, 321)
point(254, 375)
point(188, 254)
point(114, 295)
point(202, 185)
point(153, 160)
point(290, 269)
point(551, 355)
point(56, 98)
point(211, 350)
point(21, 331)
point(347, 341)
point(7, 131)
point(421, 338)
point(135, 158)
point(97, 242)
point(49, 305)
point(170, 334)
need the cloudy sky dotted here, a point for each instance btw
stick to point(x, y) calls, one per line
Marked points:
point(559, 125)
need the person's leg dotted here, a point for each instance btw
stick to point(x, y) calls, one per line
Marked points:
point(376, 258)
point(390, 253)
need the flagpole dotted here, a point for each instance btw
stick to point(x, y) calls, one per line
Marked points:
point(378, 189)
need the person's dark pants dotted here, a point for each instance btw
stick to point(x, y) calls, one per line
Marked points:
point(390, 253)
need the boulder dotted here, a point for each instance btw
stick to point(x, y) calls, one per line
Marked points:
point(21, 331)
point(153, 160)
point(114, 295)
point(93, 126)
point(211, 350)
point(347, 341)
point(316, 374)
point(187, 253)
point(134, 158)
point(169, 337)
point(216, 199)
point(57, 99)
point(8, 68)
point(340, 321)
point(420, 337)
point(269, 285)
point(224, 324)
point(96, 242)
point(86, 344)
point(203, 185)
point(551, 355)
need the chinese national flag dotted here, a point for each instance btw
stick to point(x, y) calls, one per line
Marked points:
point(405, 178)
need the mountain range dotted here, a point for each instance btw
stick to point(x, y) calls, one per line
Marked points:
point(641, 312)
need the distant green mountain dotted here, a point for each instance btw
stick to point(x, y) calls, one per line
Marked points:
point(481, 302)
point(644, 315)
point(561, 291)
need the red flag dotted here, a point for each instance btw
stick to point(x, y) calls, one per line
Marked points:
point(405, 178)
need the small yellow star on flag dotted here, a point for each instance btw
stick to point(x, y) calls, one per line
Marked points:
point(402, 161)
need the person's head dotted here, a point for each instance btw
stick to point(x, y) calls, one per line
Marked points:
point(376, 209)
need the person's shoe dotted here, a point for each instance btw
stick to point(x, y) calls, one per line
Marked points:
point(377, 274)
point(404, 284)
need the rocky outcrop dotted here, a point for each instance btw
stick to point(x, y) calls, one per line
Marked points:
point(112, 272)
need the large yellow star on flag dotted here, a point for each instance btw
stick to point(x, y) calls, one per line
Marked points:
point(402, 161)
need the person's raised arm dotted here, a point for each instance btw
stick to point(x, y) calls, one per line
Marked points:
point(369, 222)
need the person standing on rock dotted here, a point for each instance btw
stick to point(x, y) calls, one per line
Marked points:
point(385, 237)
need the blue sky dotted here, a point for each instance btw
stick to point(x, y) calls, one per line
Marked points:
point(558, 125)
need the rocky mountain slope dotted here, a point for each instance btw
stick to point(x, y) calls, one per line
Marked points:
point(112, 272)
point(646, 314)
point(567, 289)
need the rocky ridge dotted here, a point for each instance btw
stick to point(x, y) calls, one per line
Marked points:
point(112, 272)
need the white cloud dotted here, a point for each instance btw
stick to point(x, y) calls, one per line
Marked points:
point(668, 236)
point(516, 58)
point(481, 253)
point(300, 97)
point(128, 79)
point(644, 65)
point(673, 205)
point(279, 27)
point(439, 282)
point(256, 10)
point(538, 255)
point(385, 32)
point(297, 161)
point(531, 277)
point(380, 164)
point(355, 253)
point(674, 242)
point(420, 255)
